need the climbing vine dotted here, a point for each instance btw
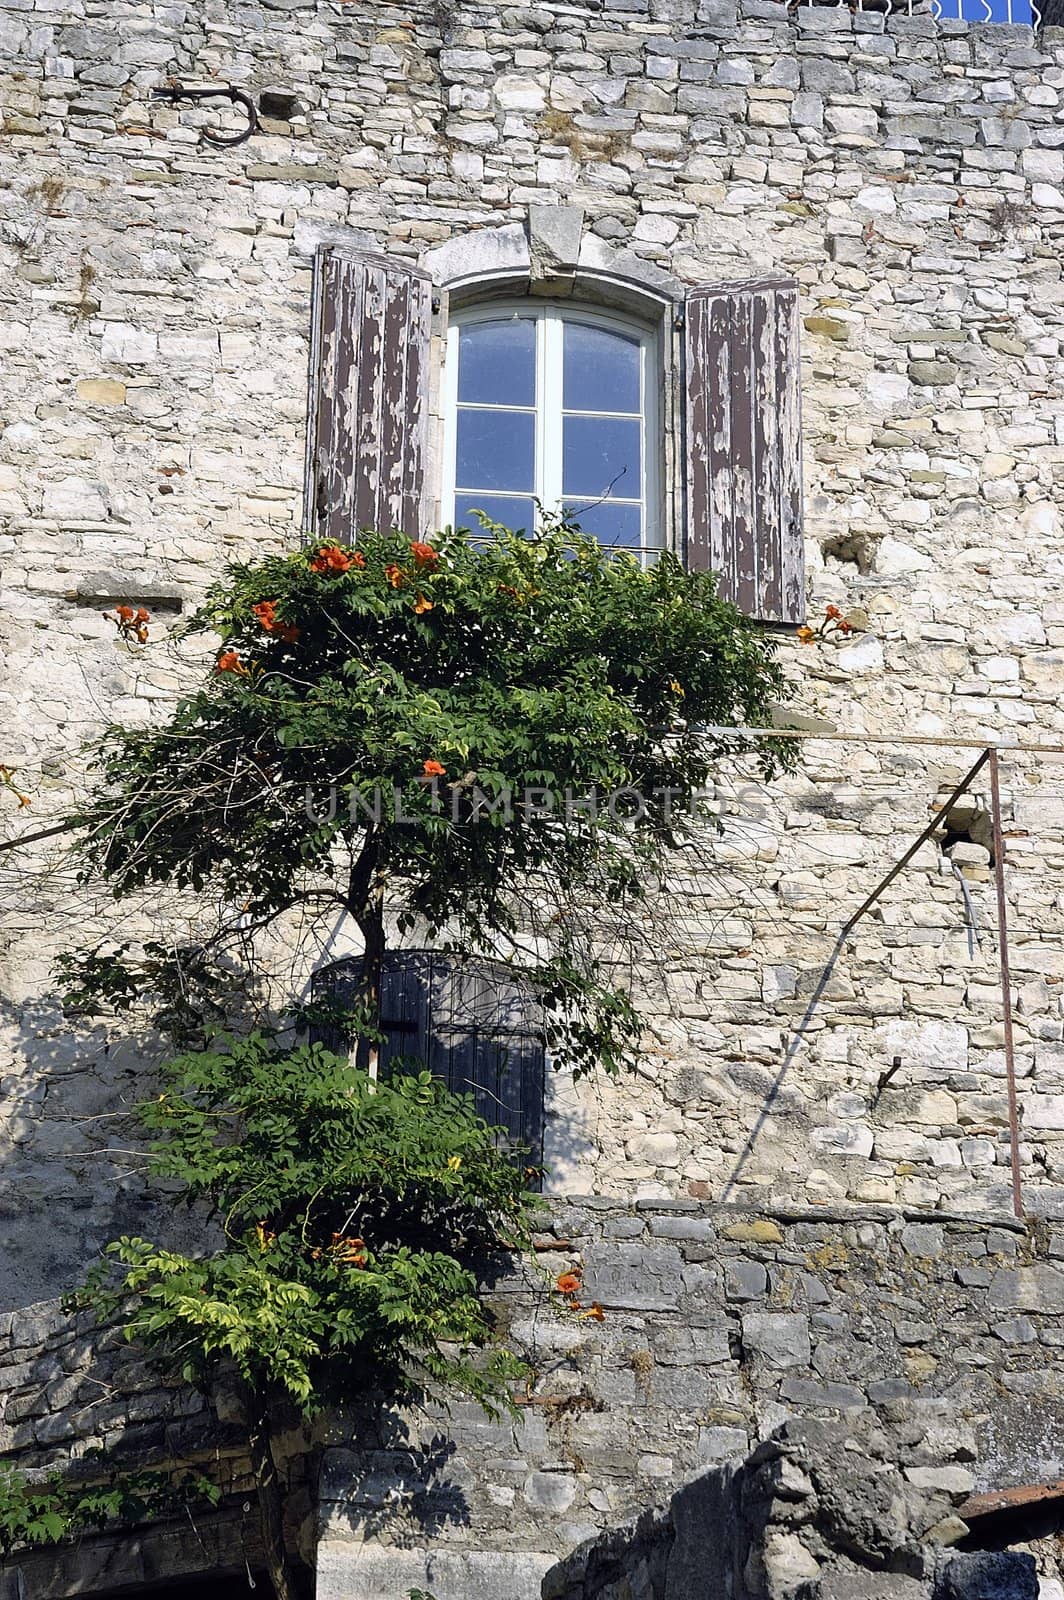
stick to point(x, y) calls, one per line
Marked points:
point(56, 1508)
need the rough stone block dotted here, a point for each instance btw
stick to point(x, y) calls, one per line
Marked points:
point(745, 1280)
point(349, 1571)
point(923, 1239)
point(102, 392)
point(781, 1339)
point(986, 1575)
point(759, 1231)
point(554, 234)
point(124, 343)
point(871, 1586)
point(951, 1480)
point(809, 1394)
point(721, 1444)
point(75, 500)
point(640, 1277)
point(1037, 1288)
point(696, 1230)
point(550, 1491)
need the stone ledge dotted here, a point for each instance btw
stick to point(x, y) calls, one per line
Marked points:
point(788, 1214)
point(354, 1571)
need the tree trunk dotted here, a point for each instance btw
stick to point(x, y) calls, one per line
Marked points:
point(371, 923)
point(365, 902)
point(282, 1573)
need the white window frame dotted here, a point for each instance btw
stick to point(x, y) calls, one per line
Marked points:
point(550, 317)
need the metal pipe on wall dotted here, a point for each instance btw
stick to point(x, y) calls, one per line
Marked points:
point(1006, 981)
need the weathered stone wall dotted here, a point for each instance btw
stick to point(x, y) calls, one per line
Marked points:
point(155, 313)
point(933, 1345)
point(85, 1404)
point(719, 1327)
point(69, 1390)
point(812, 1514)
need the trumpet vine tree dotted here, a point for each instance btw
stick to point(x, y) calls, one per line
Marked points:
point(463, 741)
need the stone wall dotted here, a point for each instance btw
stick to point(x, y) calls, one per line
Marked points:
point(69, 1391)
point(86, 1405)
point(931, 1346)
point(154, 320)
point(812, 1514)
point(938, 1339)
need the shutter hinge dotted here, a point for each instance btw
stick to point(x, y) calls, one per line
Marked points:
point(436, 304)
point(679, 322)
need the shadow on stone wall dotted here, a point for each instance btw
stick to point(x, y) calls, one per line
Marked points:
point(83, 1403)
point(820, 1511)
point(70, 1181)
point(73, 1150)
point(382, 1479)
point(218, 1554)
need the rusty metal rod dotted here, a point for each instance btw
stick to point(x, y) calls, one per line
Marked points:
point(945, 742)
point(899, 866)
point(41, 833)
point(1006, 981)
point(989, 755)
point(825, 976)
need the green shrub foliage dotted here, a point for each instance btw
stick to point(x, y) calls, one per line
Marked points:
point(352, 1222)
point(51, 1508)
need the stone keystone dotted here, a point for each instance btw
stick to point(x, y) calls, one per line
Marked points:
point(554, 234)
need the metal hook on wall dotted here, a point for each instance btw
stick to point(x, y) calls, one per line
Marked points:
point(175, 92)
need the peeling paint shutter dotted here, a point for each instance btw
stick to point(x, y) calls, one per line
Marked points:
point(369, 407)
point(743, 488)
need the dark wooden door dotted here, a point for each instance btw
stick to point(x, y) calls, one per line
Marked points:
point(471, 1022)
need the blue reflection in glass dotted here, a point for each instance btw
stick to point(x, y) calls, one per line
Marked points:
point(497, 363)
point(600, 370)
point(611, 523)
point(600, 454)
point(496, 450)
point(512, 511)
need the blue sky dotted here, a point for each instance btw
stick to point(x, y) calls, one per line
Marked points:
point(975, 11)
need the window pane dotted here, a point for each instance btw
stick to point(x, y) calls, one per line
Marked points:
point(611, 523)
point(599, 454)
point(497, 363)
point(513, 512)
point(601, 370)
point(496, 450)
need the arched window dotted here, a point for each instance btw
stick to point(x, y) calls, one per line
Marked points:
point(559, 405)
point(671, 422)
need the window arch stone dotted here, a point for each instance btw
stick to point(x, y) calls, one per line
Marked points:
point(493, 260)
point(492, 263)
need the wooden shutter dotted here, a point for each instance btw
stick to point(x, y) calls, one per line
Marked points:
point(471, 1023)
point(487, 1041)
point(743, 440)
point(405, 1003)
point(369, 408)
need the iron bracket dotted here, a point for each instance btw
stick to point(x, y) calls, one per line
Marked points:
point(176, 91)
